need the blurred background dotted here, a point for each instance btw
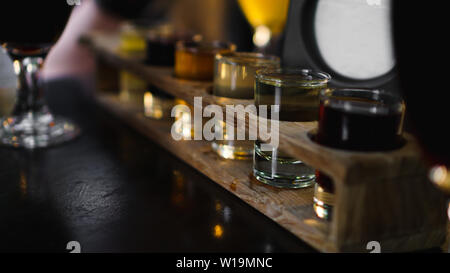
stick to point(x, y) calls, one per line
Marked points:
point(213, 19)
point(350, 39)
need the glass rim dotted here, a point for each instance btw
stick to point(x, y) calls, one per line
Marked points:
point(273, 77)
point(381, 99)
point(201, 46)
point(263, 59)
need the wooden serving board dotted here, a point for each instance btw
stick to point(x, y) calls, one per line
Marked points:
point(382, 196)
point(291, 209)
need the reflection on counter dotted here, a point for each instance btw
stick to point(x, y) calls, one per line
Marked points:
point(183, 122)
point(23, 184)
point(157, 105)
point(178, 196)
point(152, 108)
point(218, 231)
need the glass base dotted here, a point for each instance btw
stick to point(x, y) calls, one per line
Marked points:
point(36, 130)
point(240, 150)
point(281, 181)
point(278, 170)
point(323, 201)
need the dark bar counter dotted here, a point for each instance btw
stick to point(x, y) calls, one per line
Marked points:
point(113, 190)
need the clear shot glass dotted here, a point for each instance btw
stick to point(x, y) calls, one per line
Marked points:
point(296, 94)
point(234, 78)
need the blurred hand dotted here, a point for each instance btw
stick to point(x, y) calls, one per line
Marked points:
point(68, 58)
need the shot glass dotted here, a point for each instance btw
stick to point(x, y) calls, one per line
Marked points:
point(161, 42)
point(360, 120)
point(194, 60)
point(132, 46)
point(296, 94)
point(234, 78)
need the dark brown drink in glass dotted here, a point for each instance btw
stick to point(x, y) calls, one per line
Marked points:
point(33, 23)
point(356, 120)
point(28, 30)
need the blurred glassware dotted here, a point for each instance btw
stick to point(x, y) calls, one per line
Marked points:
point(132, 41)
point(161, 40)
point(234, 78)
point(132, 45)
point(194, 60)
point(267, 18)
point(31, 124)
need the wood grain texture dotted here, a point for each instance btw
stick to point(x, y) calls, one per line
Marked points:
point(380, 196)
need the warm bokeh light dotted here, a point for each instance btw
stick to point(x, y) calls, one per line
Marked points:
point(178, 196)
point(16, 64)
point(218, 206)
point(148, 100)
point(269, 13)
point(178, 179)
point(152, 106)
point(218, 231)
point(440, 177)
point(223, 71)
point(186, 131)
point(23, 184)
point(184, 127)
point(227, 152)
point(262, 36)
point(319, 208)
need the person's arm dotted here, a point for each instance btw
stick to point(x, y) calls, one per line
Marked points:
point(68, 57)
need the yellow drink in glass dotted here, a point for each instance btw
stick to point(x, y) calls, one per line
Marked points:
point(269, 13)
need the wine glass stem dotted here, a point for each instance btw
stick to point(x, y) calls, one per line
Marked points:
point(30, 97)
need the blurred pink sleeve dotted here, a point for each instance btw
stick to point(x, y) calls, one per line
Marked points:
point(68, 58)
